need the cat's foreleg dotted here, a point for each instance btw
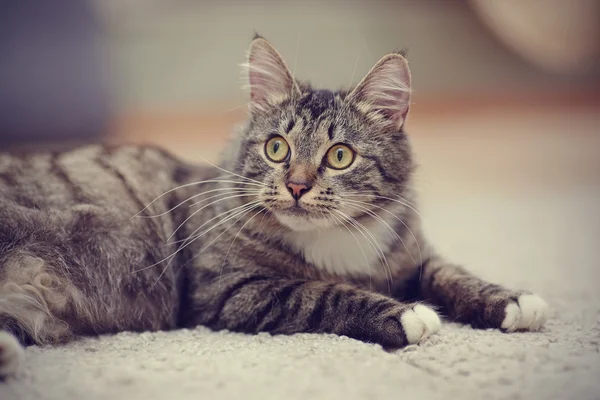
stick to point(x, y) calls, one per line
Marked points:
point(466, 298)
point(260, 302)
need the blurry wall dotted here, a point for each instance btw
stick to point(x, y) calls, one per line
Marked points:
point(54, 76)
point(179, 54)
point(67, 67)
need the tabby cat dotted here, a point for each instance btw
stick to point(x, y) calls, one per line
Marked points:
point(309, 224)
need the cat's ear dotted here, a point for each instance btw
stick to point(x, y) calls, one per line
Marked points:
point(384, 94)
point(269, 78)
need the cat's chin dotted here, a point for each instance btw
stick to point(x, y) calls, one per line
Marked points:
point(302, 222)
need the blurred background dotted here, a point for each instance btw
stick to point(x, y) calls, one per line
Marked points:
point(494, 80)
point(505, 120)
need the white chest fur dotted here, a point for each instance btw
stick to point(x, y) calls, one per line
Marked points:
point(342, 251)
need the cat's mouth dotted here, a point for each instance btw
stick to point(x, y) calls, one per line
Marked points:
point(300, 219)
point(295, 211)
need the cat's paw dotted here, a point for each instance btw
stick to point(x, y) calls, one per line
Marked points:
point(400, 326)
point(11, 354)
point(419, 323)
point(528, 313)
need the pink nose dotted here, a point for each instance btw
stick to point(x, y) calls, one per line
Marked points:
point(297, 189)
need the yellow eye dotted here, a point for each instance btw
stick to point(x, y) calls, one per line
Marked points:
point(277, 149)
point(340, 157)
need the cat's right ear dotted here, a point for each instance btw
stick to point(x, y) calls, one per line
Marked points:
point(269, 78)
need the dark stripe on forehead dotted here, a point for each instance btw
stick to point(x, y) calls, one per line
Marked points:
point(290, 125)
point(317, 102)
point(330, 131)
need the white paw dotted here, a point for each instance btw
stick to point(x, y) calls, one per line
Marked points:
point(419, 323)
point(12, 354)
point(530, 313)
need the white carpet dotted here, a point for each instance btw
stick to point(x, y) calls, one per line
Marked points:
point(546, 242)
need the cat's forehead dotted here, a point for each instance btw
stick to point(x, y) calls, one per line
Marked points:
point(316, 104)
point(315, 112)
point(313, 120)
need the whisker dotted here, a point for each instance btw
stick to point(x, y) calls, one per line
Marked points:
point(356, 194)
point(234, 239)
point(202, 208)
point(381, 220)
point(184, 245)
point(232, 190)
point(373, 242)
point(238, 107)
point(233, 173)
point(203, 233)
point(403, 223)
point(353, 73)
point(188, 185)
point(233, 210)
point(358, 243)
point(244, 213)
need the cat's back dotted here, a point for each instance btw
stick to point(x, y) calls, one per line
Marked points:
point(93, 175)
point(86, 197)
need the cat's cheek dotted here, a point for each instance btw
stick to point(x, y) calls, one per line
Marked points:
point(529, 313)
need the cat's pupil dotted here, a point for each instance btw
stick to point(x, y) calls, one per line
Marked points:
point(276, 147)
point(340, 154)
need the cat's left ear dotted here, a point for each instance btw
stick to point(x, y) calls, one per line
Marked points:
point(269, 77)
point(384, 94)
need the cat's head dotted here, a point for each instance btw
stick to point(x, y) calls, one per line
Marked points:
point(325, 154)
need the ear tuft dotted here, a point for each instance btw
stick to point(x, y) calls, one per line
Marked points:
point(384, 94)
point(269, 77)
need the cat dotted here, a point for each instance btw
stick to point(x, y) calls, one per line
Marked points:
point(308, 224)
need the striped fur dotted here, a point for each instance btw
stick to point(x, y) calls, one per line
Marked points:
point(234, 250)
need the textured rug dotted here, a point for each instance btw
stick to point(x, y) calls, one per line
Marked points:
point(545, 241)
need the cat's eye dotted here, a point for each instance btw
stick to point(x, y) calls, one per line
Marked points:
point(277, 149)
point(340, 157)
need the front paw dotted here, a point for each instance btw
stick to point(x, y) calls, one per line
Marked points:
point(405, 325)
point(420, 323)
point(528, 313)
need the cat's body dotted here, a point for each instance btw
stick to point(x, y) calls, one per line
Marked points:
point(308, 225)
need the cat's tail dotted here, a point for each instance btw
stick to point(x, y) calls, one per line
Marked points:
point(31, 299)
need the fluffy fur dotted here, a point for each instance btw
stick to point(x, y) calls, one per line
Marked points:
point(100, 239)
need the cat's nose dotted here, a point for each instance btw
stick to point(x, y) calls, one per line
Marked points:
point(297, 189)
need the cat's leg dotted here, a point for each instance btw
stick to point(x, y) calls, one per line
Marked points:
point(469, 299)
point(260, 302)
point(12, 354)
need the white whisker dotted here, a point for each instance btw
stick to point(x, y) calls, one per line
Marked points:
point(189, 240)
point(364, 194)
point(382, 221)
point(244, 213)
point(202, 208)
point(213, 180)
point(233, 173)
point(371, 240)
point(403, 223)
point(234, 239)
point(231, 190)
point(357, 242)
